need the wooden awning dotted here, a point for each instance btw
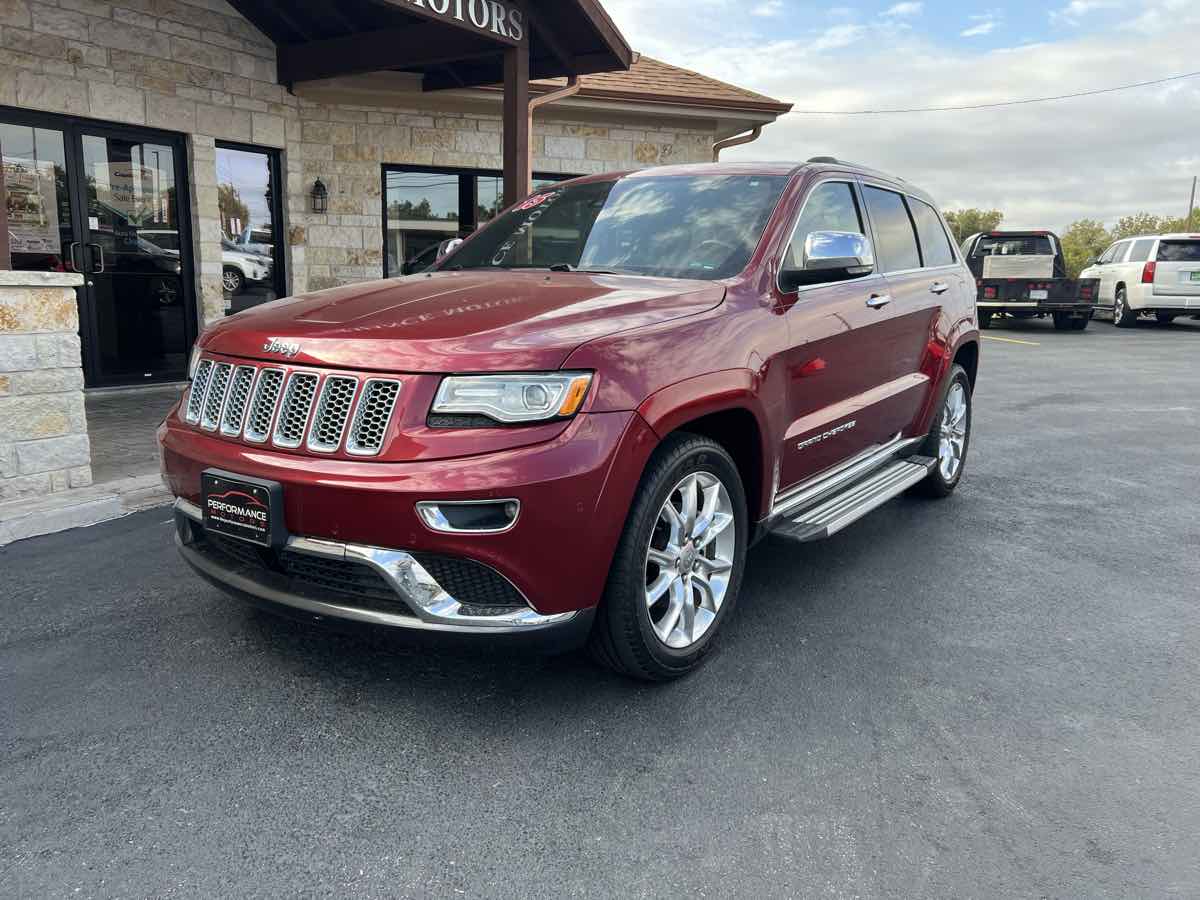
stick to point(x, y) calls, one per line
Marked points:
point(452, 43)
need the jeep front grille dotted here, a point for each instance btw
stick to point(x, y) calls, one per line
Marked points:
point(293, 408)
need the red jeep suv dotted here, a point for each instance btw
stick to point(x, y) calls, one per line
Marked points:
point(573, 426)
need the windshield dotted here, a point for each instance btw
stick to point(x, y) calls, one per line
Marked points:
point(670, 226)
point(1014, 245)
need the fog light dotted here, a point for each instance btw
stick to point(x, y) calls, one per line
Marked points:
point(469, 516)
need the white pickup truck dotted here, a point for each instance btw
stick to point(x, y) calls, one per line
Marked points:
point(1156, 275)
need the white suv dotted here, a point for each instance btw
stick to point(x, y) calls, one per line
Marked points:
point(1157, 276)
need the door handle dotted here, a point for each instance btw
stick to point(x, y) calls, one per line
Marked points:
point(939, 287)
point(71, 252)
point(100, 266)
point(878, 301)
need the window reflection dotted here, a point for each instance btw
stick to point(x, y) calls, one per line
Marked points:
point(251, 251)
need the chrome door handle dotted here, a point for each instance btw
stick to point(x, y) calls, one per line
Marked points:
point(100, 250)
point(71, 251)
point(939, 287)
point(878, 301)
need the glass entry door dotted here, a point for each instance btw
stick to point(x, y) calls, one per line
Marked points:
point(141, 325)
point(111, 204)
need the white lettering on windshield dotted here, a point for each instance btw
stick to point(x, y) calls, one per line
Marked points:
point(541, 202)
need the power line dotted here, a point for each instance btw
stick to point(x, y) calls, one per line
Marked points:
point(921, 109)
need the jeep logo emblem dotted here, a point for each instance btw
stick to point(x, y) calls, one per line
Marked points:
point(283, 348)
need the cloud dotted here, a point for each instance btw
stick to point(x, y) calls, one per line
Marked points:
point(984, 24)
point(1045, 164)
point(769, 8)
point(901, 10)
point(1077, 9)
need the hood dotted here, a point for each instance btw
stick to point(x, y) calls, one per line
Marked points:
point(474, 321)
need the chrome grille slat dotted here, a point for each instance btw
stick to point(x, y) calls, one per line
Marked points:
point(262, 410)
point(372, 417)
point(333, 412)
point(198, 391)
point(292, 421)
point(235, 405)
point(214, 403)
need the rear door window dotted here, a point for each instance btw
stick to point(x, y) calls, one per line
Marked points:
point(1108, 255)
point(830, 207)
point(1179, 251)
point(935, 245)
point(1141, 250)
point(895, 237)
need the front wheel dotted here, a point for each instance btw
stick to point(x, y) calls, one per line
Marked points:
point(1123, 316)
point(678, 567)
point(949, 438)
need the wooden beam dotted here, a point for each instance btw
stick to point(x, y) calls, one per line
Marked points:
point(546, 36)
point(5, 250)
point(372, 51)
point(517, 168)
point(470, 76)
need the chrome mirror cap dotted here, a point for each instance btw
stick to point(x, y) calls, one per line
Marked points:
point(838, 250)
point(445, 248)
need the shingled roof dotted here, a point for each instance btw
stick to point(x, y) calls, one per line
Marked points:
point(653, 81)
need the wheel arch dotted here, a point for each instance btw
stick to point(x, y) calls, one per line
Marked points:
point(967, 356)
point(724, 407)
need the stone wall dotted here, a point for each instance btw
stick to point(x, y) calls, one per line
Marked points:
point(43, 429)
point(195, 66)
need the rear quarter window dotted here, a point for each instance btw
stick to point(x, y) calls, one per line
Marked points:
point(935, 244)
point(1141, 250)
point(1179, 251)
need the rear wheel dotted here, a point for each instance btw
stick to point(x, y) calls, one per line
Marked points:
point(949, 438)
point(1165, 318)
point(985, 319)
point(1062, 321)
point(1081, 323)
point(1123, 316)
point(232, 280)
point(678, 567)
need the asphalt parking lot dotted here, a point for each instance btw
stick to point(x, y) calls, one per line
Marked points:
point(991, 696)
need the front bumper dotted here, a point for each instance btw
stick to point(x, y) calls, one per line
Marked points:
point(573, 493)
point(417, 601)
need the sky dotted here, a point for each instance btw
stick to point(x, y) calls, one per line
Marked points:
point(1045, 164)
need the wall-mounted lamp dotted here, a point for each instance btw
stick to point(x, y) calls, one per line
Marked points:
point(320, 196)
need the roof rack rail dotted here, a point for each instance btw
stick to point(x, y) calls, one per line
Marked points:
point(833, 160)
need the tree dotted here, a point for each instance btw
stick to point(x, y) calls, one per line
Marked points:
point(966, 222)
point(229, 201)
point(1081, 242)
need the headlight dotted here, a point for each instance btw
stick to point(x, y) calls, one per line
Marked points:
point(193, 362)
point(513, 399)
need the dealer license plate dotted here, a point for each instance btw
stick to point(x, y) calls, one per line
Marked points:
point(241, 507)
point(1039, 295)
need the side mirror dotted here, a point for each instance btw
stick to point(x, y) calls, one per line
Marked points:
point(831, 256)
point(445, 248)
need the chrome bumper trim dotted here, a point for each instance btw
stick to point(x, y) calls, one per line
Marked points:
point(433, 609)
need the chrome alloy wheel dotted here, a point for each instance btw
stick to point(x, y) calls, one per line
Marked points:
point(953, 438)
point(690, 560)
point(230, 280)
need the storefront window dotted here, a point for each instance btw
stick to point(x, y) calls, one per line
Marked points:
point(426, 207)
point(251, 251)
point(39, 205)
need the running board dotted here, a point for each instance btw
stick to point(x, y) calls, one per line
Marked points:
point(855, 502)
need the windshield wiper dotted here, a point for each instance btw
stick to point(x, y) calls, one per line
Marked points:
point(567, 267)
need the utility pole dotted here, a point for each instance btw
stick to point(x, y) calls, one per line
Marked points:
point(1192, 203)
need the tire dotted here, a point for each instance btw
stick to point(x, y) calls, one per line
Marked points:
point(985, 320)
point(624, 637)
point(232, 280)
point(1123, 316)
point(1062, 321)
point(938, 483)
point(1165, 318)
point(1080, 324)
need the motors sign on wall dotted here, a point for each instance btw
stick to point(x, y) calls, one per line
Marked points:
point(496, 18)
